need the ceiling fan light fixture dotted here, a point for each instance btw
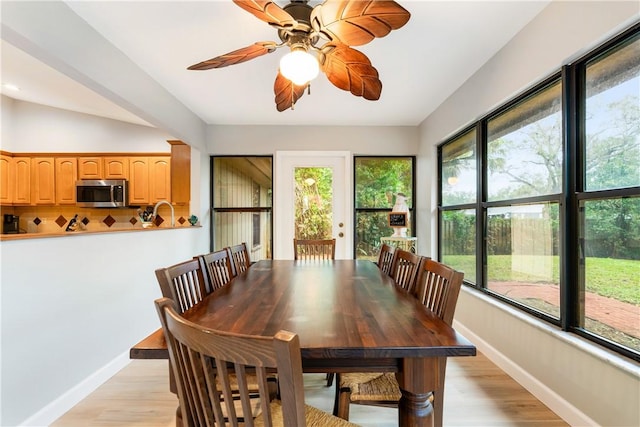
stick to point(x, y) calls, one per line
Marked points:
point(299, 66)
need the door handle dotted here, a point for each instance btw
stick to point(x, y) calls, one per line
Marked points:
point(341, 234)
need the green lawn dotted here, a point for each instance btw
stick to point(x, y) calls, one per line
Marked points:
point(614, 278)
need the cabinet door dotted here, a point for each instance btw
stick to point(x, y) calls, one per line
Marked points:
point(180, 173)
point(116, 168)
point(90, 168)
point(66, 176)
point(139, 180)
point(43, 181)
point(159, 179)
point(7, 179)
point(22, 181)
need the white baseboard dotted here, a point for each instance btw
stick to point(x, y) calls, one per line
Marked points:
point(550, 398)
point(69, 399)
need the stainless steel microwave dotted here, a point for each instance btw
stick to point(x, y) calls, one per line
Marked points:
point(102, 193)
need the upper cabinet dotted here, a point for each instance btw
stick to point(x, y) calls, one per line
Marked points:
point(116, 168)
point(22, 180)
point(43, 181)
point(159, 179)
point(150, 180)
point(7, 178)
point(180, 173)
point(66, 177)
point(139, 182)
point(90, 168)
point(103, 167)
point(50, 179)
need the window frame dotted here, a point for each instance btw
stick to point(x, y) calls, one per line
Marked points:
point(572, 77)
point(246, 209)
point(357, 210)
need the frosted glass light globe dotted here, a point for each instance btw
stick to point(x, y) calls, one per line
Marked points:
point(299, 67)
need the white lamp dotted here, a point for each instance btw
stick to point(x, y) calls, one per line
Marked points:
point(299, 66)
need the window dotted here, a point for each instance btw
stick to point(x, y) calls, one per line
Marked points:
point(458, 241)
point(522, 261)
point(524, 147)
point(551, 223)
point(459, 187)
point(612, 120)
point(609, 200)
point(524, 161)
point(241, 211)
point(380, 184)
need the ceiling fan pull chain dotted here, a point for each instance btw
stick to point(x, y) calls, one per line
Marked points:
point(293, 101)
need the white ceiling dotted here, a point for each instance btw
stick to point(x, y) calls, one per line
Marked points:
point(420, 65)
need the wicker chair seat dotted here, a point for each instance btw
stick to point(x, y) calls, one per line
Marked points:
point(313, 416)
point(370, 386)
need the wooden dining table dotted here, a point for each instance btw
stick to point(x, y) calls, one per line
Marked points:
point(349, 316)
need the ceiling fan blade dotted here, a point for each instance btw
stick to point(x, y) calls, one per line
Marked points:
point(357, 22)
point(236, 57)
point(269, 12)
point(349, 69)
point(286, 92)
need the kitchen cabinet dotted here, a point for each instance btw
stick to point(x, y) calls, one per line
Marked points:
point(116, 167)
point(139, 182)
point(159, 179)
point(103, 167)
point(180, 173)
point(90, 168)
point(7, 179)
point(21, 180)
point(150, 180)
point(43, 181)
point(66, 174)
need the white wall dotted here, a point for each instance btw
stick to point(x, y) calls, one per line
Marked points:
point(580, 382)
point(38, 128)
point(73, 306)
point(383, 140)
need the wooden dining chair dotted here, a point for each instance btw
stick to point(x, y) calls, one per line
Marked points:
point(437, 287)
point(385, 258)
point(240, 259)
point(209, 364)
point(185, 283)
point(217, 266)
point(404, 269)
point(316, 249)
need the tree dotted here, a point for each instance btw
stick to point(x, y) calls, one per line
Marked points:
point(533, 161)
point(379, 179)
point(313, 203)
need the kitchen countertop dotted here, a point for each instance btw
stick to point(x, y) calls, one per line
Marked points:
point(27, 236)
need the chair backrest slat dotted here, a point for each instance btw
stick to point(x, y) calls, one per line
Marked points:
point(385, 258)
point(184, 283)
point(207, 385)
point(316, 249)
point(438, 287)
point(404, 269)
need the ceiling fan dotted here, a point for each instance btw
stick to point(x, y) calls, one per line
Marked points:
point(300, 27)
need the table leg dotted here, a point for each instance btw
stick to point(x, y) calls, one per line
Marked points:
point(179, 422)
point(417, 380)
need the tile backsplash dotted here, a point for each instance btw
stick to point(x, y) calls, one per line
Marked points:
point(54, 219)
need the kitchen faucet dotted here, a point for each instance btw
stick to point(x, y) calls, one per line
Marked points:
point(164, 202)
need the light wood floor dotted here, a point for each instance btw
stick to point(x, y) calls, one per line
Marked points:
point(477, 393)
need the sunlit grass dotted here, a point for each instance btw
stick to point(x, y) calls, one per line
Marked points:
point(614, 278)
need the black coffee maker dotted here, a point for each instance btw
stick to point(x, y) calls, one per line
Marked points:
point(11, 224)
